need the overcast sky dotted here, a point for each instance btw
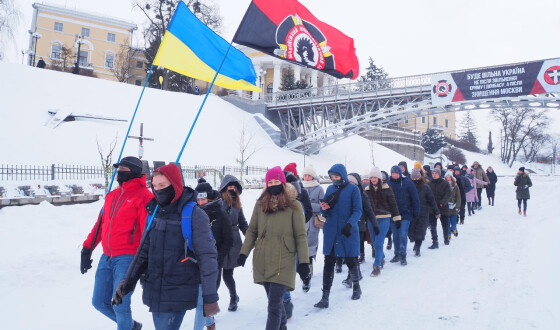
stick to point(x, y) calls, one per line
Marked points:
point(406, 37)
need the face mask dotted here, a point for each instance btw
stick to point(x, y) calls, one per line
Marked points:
point(337, 183)
point(123, 176)
point(232, 193)
point(275, 190)
point(165, 196)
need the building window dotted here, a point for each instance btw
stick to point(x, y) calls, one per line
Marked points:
point(82, 61)
point(406, 121)
point(447, 123)
point(138, 82)
point(56, 51)
point(139, 64)
point(435, 120)
point(111, 37)
point(58, 26)
point(269, 88)
point(109, 60)
point(85, 32)
point(423, 120)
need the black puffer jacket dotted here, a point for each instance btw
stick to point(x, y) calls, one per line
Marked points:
point(419, 224)
point(386, 208)
point(171, 284)
point(302, 195)
point(491, 187)
point(442, 193)
point(221, 228)
point(367, 209)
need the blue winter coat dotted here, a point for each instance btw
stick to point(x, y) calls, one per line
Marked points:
point(347, 209)
point(406, 195)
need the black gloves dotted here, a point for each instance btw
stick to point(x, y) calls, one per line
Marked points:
point(347, 229)
point(85, 264)
point(398, 224)
point(122, 290)
point(303, 271)
point(376, 230)
point(241, 260)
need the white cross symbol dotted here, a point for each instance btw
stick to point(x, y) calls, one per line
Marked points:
point(555, 75)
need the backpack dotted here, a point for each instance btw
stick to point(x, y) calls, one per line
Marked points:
point(467, 185)
point(186, 226)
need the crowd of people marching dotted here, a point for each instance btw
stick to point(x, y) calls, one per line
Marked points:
point(179, 242)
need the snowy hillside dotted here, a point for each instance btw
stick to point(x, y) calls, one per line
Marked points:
point(29, 93)
point(500, 273)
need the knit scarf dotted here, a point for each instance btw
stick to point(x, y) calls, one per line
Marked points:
point(310, 184)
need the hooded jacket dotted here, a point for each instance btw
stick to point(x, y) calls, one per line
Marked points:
point(279, 238)
point(442, 193)
point(237, 221)
point(418, 226)
point(123, 220)
point(367, 209)
point(405, 194)
point(348, 209)
point(171, 280)
point(480, 174)
point(493, 179)
point(522, 180)
point(221, 228)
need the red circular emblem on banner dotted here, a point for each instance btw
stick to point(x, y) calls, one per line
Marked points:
point(552, 75)
point(442, 88)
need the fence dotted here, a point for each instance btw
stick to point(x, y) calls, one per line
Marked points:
point(49, 172)
point(79, 172)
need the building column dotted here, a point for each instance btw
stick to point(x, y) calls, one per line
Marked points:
point(277, 78)
point(297, 73)
point(314, 78)
point(256, 95)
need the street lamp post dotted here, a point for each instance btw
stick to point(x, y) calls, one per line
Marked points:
point(37, 36)
point(76, 69)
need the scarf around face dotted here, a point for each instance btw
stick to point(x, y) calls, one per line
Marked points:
point(310, 184)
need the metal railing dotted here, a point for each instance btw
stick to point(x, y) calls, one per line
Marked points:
point(49, 172)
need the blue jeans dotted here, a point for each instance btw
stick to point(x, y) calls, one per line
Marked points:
point(110, 272)
point(379, 240)
point(199, 319)
point(400, 237)
point(452, 223)
point(168, 321)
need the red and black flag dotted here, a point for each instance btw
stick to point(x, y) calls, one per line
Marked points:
point(286, 29)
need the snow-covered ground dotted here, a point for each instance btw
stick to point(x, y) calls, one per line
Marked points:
point(500, 273)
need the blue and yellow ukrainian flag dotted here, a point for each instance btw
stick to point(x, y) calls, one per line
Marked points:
point(192, 49)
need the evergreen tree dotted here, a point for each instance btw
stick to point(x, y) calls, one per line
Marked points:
point(432, 141)
point(468, 130)
point(288, 82)
point(374, 72)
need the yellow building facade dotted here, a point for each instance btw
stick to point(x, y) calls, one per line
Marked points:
point(444, 122)
point(63, 36)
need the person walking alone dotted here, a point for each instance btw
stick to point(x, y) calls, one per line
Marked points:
point(523, 183)
point(491, 188)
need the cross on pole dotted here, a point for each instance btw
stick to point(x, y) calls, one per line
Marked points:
point(141, 139)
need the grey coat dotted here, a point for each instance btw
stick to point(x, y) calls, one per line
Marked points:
point(238, 222)
point(315, 194)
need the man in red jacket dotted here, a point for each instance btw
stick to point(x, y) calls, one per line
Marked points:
point(122, 223)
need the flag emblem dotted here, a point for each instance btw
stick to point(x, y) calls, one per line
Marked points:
point(442, 88)
point(303, 42)
point(552, 75)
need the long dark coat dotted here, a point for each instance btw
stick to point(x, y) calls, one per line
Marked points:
point(419, 224)
point(521, 181)
point(491, 187)
point(221, 228)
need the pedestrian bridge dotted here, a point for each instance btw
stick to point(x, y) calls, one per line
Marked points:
point(313, 118)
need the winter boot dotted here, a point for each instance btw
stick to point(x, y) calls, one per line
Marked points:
point(417, 252)
point(233, 300)
point(396, 258)
point(361, 258)
point(324, 302)
point(492, 201)
point(211, 327)
point(289, 307)
point(306, 284)
point(403, 260)
point(455, 233)
point(376, 271)
point(462, 221)
point(434, 245)
point(415, 248)
point(338, 266)
point(489, 200)
point(446, 241)
point(356, 291)
point(519, 212)
point(524, 213)
point(347, 282)
point(136, 325)
point(389, 243)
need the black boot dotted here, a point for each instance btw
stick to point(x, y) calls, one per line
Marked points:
point(417, 252)
point(492, 201)
point(396, 258)
point(233, 300)
point(403, 260)
point(434, 245)
point(347, 282)
point(417, 246)
point(389, 243)
point(489, 201)
point(324, 302)
point(356, 291)
point(338, 266)
point(362, 258)
point(136, 325)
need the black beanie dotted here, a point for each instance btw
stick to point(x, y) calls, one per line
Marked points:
point(522, 169)
point(133, 163)
point(204, 189)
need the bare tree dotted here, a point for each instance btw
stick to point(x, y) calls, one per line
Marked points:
point(534, 143)
point(517, 125)
point(554, 145)
point(9, 21)
point(247, 148)
point(65, 62)
point(123, 64)
point(107, 160)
